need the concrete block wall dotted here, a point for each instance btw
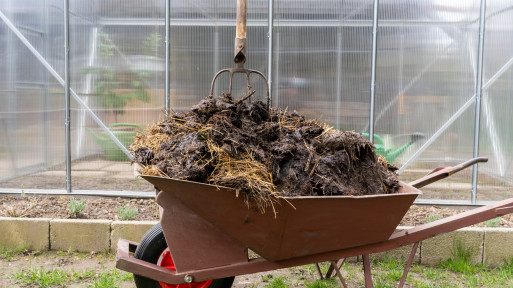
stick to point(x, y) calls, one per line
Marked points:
point(38, 234)
point(32, 234)
point(442, 247)
point(80, 235)
point(487, 245)
point(129, 230)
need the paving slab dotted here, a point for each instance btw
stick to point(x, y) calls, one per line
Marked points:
point(80, 235)
point(498, 245)
point(29, 233)
point(129, 230)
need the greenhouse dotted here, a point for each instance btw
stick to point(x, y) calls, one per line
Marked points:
point(430, 82)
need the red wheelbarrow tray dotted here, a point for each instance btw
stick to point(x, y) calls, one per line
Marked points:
point(208, 226)
point(209, 229)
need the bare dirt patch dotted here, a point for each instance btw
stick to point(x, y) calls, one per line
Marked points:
point(57, 207)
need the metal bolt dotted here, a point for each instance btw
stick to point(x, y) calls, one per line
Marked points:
point(188, 279)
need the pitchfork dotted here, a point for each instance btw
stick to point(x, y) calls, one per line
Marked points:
point(240, 55)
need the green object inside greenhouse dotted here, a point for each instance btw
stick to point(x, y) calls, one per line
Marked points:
point(390, 154)
point(124, 132)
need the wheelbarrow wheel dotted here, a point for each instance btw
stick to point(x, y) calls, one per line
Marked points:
point(153, 249)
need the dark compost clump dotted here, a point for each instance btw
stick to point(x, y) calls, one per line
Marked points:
point(262, 153)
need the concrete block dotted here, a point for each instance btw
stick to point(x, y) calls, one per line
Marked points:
point(401, 253)
point(441, 247)
point(80, 235)
point(498, 245)
point(130, 230)
point(29, 233)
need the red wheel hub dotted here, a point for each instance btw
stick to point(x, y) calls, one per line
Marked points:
point(165, 260)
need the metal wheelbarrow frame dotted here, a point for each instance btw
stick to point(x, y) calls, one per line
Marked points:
point(205, 246)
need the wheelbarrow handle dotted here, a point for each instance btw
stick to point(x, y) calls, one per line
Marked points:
point(443, 172)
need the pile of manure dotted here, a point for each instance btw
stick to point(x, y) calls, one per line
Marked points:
point(262, 153)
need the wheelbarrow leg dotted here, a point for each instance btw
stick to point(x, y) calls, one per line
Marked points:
point(408, 264)
point(336, 267)
point(319, 270)
point(367, 271)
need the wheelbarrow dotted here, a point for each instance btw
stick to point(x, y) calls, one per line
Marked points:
point(205, 232)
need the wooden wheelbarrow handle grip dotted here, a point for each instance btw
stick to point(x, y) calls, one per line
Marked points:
point(443, 172)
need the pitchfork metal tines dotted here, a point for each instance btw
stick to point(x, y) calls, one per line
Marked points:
point(240, 56)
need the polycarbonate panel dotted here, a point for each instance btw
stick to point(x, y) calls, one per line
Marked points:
point(426, 71)
point(494, 182)
point(31, 116)
point(202, 40)
point(439, 154)
point(498, 39)
point(496, 131)
point(117, 62)
point(322, 60)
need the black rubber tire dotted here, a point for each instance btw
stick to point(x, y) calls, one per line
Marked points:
point(152, 245)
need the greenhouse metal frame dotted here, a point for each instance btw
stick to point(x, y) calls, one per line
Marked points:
point(382, 23)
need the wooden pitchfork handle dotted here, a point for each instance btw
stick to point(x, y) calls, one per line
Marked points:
point(443, 172)
point(239, 55)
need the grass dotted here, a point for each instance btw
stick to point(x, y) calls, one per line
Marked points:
point(461, 259)
point(76, 206)
point(278, 282)
point(48, 278)
point(391, 271)
point(127, 213)
point(386, 273)
point(40, 277)
point(111, 278)
point(13, 254)
point(323, 283)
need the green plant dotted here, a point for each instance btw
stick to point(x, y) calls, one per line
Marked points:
point(23, 191)
point(114, 87)
point(75, 207)
point(41, 277)
point(277, 282)
point(322, 283)
point(493, 222)
point(267, 277)
point(433, 218)
point(506, 269)
point(391, 272)
point(461, 259)
point(10, 254)
point(127, 213)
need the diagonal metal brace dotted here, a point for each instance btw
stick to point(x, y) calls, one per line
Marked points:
point(63, 83)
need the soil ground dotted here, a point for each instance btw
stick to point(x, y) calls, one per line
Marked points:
point(106, 208)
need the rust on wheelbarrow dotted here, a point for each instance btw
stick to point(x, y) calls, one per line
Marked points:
point(302, 226)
